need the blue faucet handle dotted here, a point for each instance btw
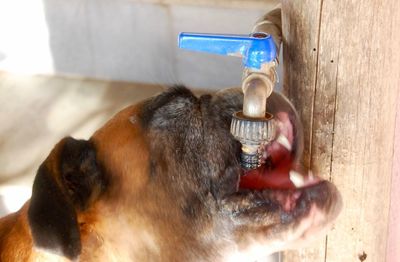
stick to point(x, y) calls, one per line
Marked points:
point(255, 49)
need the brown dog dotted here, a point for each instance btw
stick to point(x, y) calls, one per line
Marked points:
point(159, 182)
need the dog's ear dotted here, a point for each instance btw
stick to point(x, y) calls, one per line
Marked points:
point(67, 182)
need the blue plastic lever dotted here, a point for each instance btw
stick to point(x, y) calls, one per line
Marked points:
point(255, 49)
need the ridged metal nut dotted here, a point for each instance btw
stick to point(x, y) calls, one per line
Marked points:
point(253, 131)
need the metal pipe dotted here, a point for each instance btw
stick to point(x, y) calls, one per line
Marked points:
point(257, 85)
point(271, 23)
point(254, 126)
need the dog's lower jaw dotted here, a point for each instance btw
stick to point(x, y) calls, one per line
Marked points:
point(311, 228)
point(267, 221)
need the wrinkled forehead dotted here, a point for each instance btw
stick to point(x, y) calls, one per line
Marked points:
point(167, 108)
point(176, 120)
point(136, 119)
point(175, 113)
point(123, 144)
point(180, 119)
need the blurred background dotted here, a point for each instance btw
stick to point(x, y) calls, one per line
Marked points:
point(68, 66)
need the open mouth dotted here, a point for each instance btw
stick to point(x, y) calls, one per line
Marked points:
point(282, 219)
point(281, 185)
point(280, 167)
point(295, 205)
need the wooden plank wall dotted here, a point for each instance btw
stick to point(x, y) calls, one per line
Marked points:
point(393, 248)
point(342, 71)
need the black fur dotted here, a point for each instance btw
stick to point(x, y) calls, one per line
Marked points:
point(52, 217)
point(52, 211)
point(192, 135)
point(80, 172)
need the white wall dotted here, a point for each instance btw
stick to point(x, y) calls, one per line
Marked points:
point(119, 40)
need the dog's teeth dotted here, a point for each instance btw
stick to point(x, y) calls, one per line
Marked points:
point(284, 142)
point(296, 178)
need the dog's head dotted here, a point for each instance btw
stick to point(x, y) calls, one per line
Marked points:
point(160, 181)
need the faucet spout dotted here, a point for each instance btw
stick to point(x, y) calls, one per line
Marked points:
point(254, 126)
point(257, 86)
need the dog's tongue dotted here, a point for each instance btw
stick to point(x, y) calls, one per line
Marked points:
point(270, 177)
point(282, 176)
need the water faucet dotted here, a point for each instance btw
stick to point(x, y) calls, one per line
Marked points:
point(253, 126)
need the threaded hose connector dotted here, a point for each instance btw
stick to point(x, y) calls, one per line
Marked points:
point(252, 133)
point(250, 161)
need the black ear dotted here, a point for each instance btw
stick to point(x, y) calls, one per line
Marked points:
point(66, 183)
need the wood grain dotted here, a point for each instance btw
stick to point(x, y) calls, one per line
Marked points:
point(300, 26)
point(393, 247)
point(347, 95)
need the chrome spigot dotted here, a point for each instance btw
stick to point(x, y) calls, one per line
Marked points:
point(252, 126)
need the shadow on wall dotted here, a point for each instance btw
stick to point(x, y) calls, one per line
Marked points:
point(130, 41)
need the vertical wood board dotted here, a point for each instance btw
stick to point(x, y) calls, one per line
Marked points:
point(393, 245)
point(300, 29)
point(349, 117)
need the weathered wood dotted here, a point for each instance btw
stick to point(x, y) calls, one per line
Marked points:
point(342, 71)
point(300, 42)
point(393, 248)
